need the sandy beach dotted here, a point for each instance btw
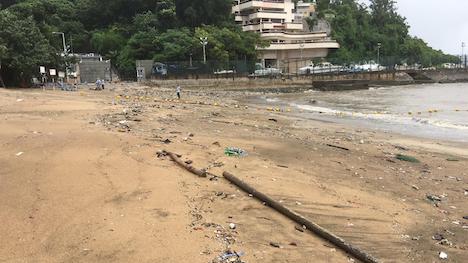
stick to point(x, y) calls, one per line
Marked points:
point(81, 181)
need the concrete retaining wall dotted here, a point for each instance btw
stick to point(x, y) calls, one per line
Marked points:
point(343, 81)
point(458, 75)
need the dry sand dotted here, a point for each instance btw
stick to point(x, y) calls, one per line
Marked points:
point(80, 182)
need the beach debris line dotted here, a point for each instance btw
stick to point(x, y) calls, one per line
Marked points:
point(188, 167)
point(299, 219)
point(236, 152)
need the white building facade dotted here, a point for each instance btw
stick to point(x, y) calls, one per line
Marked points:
point(282, 24)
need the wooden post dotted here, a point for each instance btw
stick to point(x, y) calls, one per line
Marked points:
point(200, 173)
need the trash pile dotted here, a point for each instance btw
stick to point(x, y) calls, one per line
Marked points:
point(121, 121)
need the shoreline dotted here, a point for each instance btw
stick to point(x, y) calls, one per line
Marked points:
point(104, 144)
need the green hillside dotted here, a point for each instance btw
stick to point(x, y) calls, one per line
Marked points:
point(168, 30)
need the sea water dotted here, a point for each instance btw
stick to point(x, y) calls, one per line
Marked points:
point(437, 111)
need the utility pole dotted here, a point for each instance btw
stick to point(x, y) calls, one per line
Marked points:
point(379, 45)
point(463, 60)
point(302, 53)
point(65, 52)
point(204, 42)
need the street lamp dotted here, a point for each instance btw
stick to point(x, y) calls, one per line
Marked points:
point(63, 40)
point(204, 42)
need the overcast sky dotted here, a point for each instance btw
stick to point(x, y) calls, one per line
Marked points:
point(441, 23)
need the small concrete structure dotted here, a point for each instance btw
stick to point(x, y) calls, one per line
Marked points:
point(89, 68)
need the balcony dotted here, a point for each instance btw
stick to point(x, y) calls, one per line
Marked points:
point(268, 15)
point(290, 37)
point(244, 5)
point(321, 44)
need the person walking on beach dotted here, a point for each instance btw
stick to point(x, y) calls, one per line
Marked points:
point(178, 91)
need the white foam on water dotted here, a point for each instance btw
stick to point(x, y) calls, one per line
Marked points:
point(383, 116)
point(272, 99)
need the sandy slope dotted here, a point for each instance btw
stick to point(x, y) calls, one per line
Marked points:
point(88, 189)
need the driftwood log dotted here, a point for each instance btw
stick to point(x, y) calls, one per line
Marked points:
point(318, 230)
point(188, 167)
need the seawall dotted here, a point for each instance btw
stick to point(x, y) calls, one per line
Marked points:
point(333, 81)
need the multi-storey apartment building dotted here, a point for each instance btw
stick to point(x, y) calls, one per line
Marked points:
point(303, 10)
point(291, 47)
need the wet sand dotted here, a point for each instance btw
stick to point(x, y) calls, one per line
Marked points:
point(88, 186)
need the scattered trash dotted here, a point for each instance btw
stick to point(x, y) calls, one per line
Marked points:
point(217, 144)
point(167, 141)
point(19, 100)
point(406, 158)
point(443, 255)
point(294, 244)
point(161, 153)
point(452, 160)
point(273, 120)
point(189, 162)
point(229, 256)
point(218, 164)
point(401, 148)
point(465, 217)
point(415, 187)
point(438, 237)
point(433, 198)
point(298, 228)
point(237, 152)
point(282, 166)
point(274, 244)
point(338, 147)
point(445, 242)
point(19, 154)
point(232, 226)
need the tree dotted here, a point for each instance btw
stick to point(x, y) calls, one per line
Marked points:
point(193, 13)
point(120, 30)
point(358, 29)
point(26, 47)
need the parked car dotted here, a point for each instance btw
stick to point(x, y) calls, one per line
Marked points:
point(325, 67)
point(159, 69)
point(268, 72)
